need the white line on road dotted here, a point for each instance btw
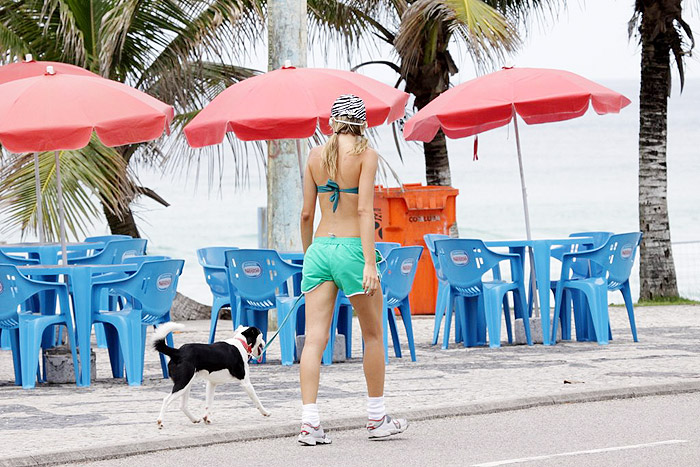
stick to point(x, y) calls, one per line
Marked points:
point(576, 453)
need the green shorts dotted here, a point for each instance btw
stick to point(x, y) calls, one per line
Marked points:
point(337, 259)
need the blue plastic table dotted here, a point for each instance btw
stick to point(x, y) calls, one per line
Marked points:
point(80, 287)
point(47, 253)
point(541, 251)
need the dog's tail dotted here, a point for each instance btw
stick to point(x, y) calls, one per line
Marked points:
point(158, 339)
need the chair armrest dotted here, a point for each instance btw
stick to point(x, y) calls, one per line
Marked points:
point(55, 285)
point(567, 261)
point(110, 278)
point(294, 266)
point(516, 265)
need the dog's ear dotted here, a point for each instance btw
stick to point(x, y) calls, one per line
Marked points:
point(238, 330)
point(251, 333)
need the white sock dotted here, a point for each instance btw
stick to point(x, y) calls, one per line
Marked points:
point(375, 408)
point(309, 414)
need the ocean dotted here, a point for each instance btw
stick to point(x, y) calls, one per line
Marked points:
point(580, 175)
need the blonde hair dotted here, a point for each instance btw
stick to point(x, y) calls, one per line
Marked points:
point(344, 125)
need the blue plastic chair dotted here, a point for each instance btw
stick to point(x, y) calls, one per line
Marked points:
point(464, 263)
point(397, 282)
point(114, 252)
point(97, 239)
point(614, 262)
point(256, 275)
point(580, 269)
point(441, 308)
point(150, 293)
point(107, 238)
point(113, 301)
point(25, 327)
point(213, 261)
point(16, 261)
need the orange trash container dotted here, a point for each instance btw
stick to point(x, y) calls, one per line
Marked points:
point(404, 215)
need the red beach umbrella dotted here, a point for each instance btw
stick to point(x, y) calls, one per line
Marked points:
point(538, 95)
point(58, 111)
point(31, 68)
point(289, 103)
point(27, 69)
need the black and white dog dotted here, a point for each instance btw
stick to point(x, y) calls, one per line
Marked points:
point(218, 363)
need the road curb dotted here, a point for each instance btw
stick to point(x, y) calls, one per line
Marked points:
point(348, 423)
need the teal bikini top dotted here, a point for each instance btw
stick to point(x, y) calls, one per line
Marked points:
point(332, 187)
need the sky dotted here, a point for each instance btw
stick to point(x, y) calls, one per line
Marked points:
point(589, 37)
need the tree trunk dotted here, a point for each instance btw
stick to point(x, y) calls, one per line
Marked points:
point(122, 223)
point(426, 83)
point(657, 274)
point(437, 164)
point(287, 36)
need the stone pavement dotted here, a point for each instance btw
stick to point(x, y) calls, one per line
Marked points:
point(55, 424)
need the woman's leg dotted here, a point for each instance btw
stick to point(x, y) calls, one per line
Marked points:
point(319, 314)
point(369, 312)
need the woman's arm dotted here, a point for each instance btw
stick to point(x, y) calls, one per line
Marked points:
point(365, 211)
point(309, 207)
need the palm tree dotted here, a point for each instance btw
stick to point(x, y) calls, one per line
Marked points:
point(662, 32)
point(421, 33)
point(179, 51)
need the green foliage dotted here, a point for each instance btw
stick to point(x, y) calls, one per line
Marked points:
point(663, 301)
point(179, 51)
point(93, 174)
point(661, 21)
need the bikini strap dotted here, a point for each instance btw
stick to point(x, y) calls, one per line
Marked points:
point(333, 188)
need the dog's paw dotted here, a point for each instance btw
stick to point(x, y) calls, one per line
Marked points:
point(206, 419)
point(196, 420)
point(265, 413)
point(160, 424)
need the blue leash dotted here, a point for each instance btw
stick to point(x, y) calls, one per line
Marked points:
point(284, 321)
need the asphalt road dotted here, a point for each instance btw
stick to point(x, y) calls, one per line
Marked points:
point(651, 431)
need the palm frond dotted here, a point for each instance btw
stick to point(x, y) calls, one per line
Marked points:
point(196, 83)
point(663, 21)
point(59, 20)
point(11, 44)
point(95, 173)
point(428, 25)
point(348, 23)
point(20, 32)
point(145, 40)
point(521, 12)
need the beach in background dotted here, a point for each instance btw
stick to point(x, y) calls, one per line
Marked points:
point(581, 175)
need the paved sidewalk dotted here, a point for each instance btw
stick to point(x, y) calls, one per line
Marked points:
point(62, 423)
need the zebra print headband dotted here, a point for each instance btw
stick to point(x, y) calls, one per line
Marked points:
point(349, 105)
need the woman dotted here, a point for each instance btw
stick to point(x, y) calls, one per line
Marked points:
point(342, 256)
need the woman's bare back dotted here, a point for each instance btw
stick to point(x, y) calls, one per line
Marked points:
point(344, 222)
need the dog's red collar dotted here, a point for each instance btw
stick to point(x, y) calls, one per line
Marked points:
point(247, 347)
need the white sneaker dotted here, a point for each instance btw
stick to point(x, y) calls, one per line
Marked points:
point(312, 435)
point(386, 426)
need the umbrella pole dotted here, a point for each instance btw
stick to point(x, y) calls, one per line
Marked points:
point(61, 214)
point(39, 207)
point(533, 279)
point(301, 164)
